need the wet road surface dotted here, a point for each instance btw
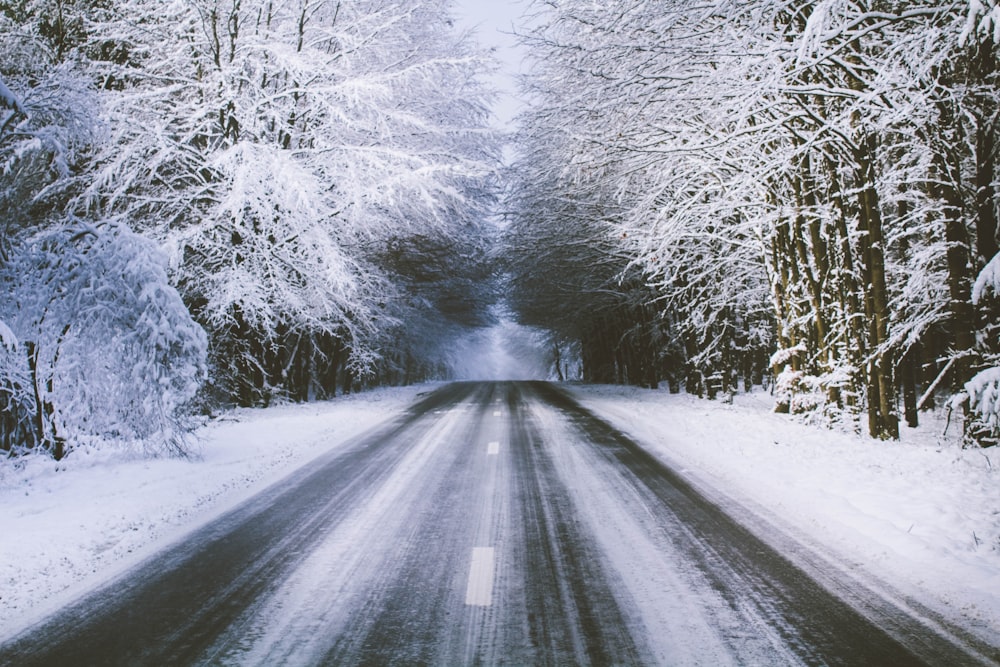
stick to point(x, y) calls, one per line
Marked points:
point(493, 523)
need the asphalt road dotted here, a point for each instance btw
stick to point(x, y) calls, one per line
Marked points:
point(493, 523)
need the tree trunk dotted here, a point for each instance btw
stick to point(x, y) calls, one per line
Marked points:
point(908, 379)
point(962, 316)
point(986, 205)
point(987, 119)
point(884, 423)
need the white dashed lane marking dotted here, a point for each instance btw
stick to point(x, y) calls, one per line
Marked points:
point(480, 589)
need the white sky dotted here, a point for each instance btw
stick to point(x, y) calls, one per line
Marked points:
point(493, 21)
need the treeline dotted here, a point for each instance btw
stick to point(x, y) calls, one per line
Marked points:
point(231, 201)
point(805, 191)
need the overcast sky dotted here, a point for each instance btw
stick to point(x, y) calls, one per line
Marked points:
point(492, 21)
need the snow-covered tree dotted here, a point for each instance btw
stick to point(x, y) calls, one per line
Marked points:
point(47, 131)
point(983, 389)
point(48, 127)
point(825, 165)
point(107, 350)
point(97, 344)
point(279, 149)
point(614, 116)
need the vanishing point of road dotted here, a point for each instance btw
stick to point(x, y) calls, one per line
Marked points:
point(492, 523)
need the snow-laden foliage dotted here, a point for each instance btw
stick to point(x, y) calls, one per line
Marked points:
point(44, 140)
point(108, 351)
point(9, 100)
point(270, 260)
point(297, 158)
point(984, 395)
point(319, 174)
point(982, 22)
point(983, 389)
point(816, 177)
point(984, 399)
point(8, 341)
point(17, 405)
point(987, 284)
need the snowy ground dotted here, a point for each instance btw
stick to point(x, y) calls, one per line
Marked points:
point(920, 517)
point(65, 527)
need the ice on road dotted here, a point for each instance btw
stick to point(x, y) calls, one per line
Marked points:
point(489, 523)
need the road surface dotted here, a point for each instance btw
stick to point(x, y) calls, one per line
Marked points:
point(493, 523)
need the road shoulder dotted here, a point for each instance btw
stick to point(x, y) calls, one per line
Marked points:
point(915, 520)
point(70, 526)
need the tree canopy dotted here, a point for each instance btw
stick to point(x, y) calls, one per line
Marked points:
point(805, 191)
point(310, 183)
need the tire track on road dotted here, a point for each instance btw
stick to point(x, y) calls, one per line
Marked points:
point(173, 606)
point(750, 575)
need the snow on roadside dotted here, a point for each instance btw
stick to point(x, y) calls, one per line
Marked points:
point(922, 514)
point(68, 526)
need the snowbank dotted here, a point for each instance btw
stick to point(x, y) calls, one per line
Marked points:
point(66, 526)
point(921, 515)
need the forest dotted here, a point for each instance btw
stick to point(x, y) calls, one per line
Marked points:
point(214, 202)
point(235, 202)
point(793, 193)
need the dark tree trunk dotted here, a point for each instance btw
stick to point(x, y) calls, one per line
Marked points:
point(908, 379)
point(985, 68)
point(961, 314)
point(884, 423)
point(986, 205)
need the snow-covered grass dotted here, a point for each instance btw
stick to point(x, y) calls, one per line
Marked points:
point(921, 515)
point(66, 526)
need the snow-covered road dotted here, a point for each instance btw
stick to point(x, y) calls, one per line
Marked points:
point(492, 522)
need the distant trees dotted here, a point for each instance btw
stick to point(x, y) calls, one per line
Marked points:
point(319, 174)
point(813, 179)
point(568, 276)
point(609, 135)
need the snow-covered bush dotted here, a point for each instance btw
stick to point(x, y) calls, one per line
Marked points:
point(984, 395)
point(983, 389)
point(984, 400)
point(111, 352)
point(821, 399)
point(797, 393)
point(988, 283)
